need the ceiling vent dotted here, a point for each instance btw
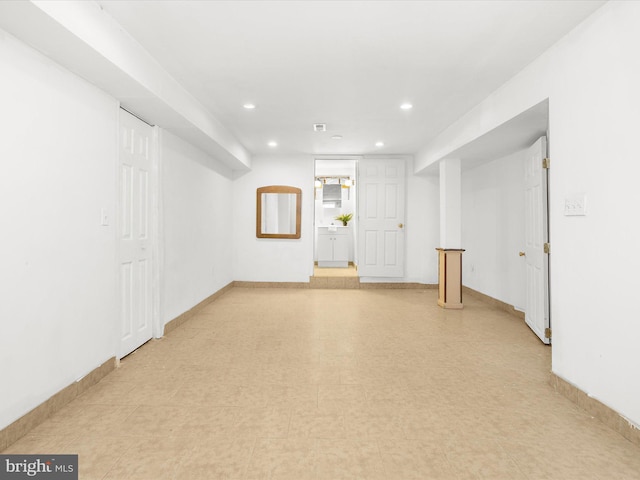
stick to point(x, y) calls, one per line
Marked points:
point(319, 127)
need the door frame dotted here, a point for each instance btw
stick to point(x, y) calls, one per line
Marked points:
point(354, 221)
point(546, 258)
point(155, 227)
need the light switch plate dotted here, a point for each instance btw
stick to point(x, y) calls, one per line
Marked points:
point(104, 217)
point(575, 204)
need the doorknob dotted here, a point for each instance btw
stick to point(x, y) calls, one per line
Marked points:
point(400, 225)
point(522, 254)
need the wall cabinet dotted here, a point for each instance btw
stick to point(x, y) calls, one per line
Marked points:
point(333, 247)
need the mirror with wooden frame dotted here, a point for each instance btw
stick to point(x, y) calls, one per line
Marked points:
point(278, 212)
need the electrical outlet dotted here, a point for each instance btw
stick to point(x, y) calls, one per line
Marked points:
point(575, 205)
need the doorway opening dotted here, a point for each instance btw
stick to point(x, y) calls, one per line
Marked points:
point(505, 215)
point(335, 219)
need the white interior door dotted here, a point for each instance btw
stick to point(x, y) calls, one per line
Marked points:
point(536, 235)
point(135, 264)
point(381, 200)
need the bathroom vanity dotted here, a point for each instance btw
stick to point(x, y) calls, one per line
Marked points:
point(333, 246)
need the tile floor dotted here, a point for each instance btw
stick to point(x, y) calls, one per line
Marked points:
point(350, 271)
point(330, 384)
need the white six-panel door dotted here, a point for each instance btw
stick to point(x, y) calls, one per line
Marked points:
point(135, 264)
point(536, 235)
point(381, 200)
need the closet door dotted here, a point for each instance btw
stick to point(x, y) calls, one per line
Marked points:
point(135, 264)
point(536, 237)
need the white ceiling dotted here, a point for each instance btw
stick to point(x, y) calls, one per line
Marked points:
point(349, 64)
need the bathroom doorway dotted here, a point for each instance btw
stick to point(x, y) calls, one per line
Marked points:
point(335, 219)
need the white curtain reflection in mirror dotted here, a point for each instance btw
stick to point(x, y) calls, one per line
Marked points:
point(278, 213)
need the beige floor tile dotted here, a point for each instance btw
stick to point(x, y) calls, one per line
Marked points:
point(33, 444)
point(481, 458)
point(151, 420)
point(392, 396)
point(150, 458)
point(207, 394)
point(206, 422)
point(433, 426)
point(374, 423)
point(283, 459)
point(342, 395)
point(269, 422)
point(299, 396)
point(349, 271)
point(317, 424)
point(349, 459)
point(79, 419)
point(411, 459)
point(216, 459)
point(97, 454)
point(272, 383)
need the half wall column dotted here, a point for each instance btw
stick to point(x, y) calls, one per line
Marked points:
point(450, 251)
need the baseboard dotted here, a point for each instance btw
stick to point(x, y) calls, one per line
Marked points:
point(596, 409)
point(334, 283)
point(180, 319)
point(18, 429)
point(494, 302)
point(398, 286)
point(354, 283)
point(351, 264)
point(243, 284)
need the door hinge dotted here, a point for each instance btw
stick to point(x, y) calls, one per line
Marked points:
point(547, 333)
point(545, 163)
point(547, 248)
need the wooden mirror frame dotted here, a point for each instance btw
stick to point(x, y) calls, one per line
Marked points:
point(278, 189)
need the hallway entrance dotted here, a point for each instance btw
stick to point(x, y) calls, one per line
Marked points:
point(335, 219)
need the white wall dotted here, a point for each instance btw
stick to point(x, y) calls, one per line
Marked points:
point(594, 124)
point(591, 78)
point(266, 259)
point(197, 220)
point(58, 313)
point(422, 234)
point(270, 260)
point(493, 229)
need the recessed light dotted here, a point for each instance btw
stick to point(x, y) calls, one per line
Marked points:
point(272, 144)
point(249, 106)
point(379, 144)
point(337, 137)
point(406, 106)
